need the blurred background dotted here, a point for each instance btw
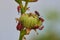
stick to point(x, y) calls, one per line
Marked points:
point(48, 9)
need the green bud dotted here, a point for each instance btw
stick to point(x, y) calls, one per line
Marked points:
point(30, 21)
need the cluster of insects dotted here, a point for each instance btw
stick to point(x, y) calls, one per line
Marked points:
point(27, 21)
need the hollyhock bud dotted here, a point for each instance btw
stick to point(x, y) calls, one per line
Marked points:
point(29, 21)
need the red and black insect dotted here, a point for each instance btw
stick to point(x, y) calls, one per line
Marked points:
point(36, 12)
point(19, 26)
point(41, 19)
point(18, 8)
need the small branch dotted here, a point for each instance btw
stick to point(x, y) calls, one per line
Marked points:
point(22, 9)
point(26, 5)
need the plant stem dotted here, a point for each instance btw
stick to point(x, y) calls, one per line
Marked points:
point(22, 33)
point(22, 9)
point(26, 5)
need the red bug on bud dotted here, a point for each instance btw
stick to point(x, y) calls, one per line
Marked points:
point(35, 27)
point(36, 12)
point(18, 8)
point(41, 28)
point(19, 26)
point(41, 19)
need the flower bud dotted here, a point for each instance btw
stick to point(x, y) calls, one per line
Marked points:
point(30, 20)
